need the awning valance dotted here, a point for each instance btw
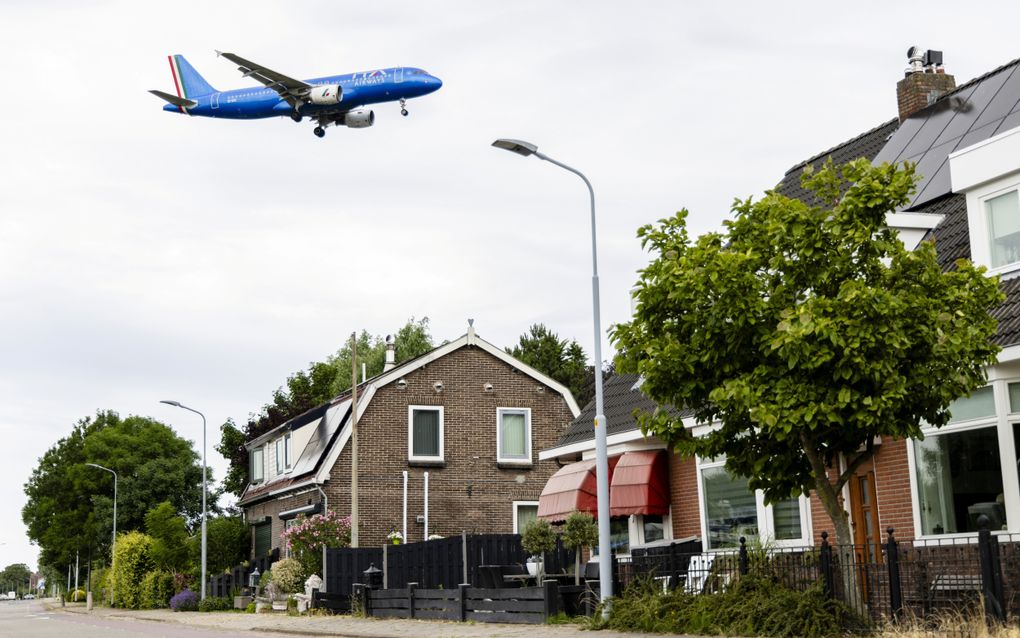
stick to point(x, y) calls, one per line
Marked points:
point(572, 488)
point(640, 484)
point(307, 510)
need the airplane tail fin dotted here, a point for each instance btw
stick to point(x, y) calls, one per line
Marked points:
point(187, 81)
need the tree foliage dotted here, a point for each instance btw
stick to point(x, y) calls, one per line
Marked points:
point(130, 566)
point(805, 332)
point(70, 505)
point(563, 360)
point(228, 541)
point(169, 533)
point(15, 577)
point(306, 389)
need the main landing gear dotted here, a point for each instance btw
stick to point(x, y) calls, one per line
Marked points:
point(319, 131)
point(403, 107)
point(297, 117)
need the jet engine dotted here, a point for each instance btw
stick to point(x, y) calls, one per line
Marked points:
point(359, 118)
point(326, 95)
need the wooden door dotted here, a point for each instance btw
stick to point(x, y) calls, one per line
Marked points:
point(864, 517)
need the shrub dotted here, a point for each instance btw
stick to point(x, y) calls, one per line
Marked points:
point(752, 606)
point(182, 581)
point(70, 596)
point(100, 593)
point(266, 578)
point(288, 574)
point(132, 562)
point(250, 609)
point(579, 531)
point(216, 604)
point(307, 538)
point(187, 600)
point(157, 589)
point(538, 537)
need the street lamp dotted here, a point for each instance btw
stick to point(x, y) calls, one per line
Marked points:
point(178, 404)
point(601, 454)
point(113, 550)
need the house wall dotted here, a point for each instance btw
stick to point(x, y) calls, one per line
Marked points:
point(683, 486)
point(272, 508)
point(469, 492)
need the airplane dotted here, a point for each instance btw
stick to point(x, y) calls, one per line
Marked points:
point(335, 100)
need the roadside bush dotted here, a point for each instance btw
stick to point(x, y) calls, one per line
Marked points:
point(157, 589)
point(307, 538)
point(216, 604)
point(250, 609)
point(70, 597)
point(288, 574)
point(187, 600)
point(100, 594)
point(752, 606)
point(133, 561)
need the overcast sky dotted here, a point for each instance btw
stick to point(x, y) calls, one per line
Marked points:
point(146, 255)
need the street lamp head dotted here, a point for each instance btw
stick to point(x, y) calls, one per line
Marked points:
point(176, 404)
point(516, 146)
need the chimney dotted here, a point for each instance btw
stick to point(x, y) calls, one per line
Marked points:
point(924, 82)
point(390, 354)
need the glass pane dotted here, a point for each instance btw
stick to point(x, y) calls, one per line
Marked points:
point(959, 477)
point(1014, 397)
point(1004, 228)
point(256, 465)
point(653, 530)
point(980, 403)
point(787, 519)
point(525, 514)
point(619, 536)
point(513, 433)
point(426, 433)
point(730, 508)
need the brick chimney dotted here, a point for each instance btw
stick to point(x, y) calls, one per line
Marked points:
point(924, 82)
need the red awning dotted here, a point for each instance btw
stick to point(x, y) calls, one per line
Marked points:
point(640, 484)
point(571, 489)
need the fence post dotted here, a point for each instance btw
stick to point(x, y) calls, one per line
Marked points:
point(410, 598)
point(385, 569)
point(551, 593)
point(462, 589)
point(463, 555)
point(991, 575)
point(892, 559)
point(743, 556)
point(825, 562)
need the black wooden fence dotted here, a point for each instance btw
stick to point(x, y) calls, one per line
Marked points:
point(222, 585)
point(432, 564)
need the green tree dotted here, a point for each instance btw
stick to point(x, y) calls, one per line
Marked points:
point(306, 389)
point(563, 360)
point(169, 533)
point(806, 332)
point(579, 531)
point(70, 505)
point(228, 543)
point(16, 578)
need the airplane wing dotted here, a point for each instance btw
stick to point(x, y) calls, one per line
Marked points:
point(291, 90)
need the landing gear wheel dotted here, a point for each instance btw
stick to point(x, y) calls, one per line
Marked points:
point(403, 107)
point(297, 117)
point(403, 112)
point(319, 131)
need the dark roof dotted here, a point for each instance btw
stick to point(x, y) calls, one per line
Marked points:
point(1008, 314)
point(621, 397)
point(951, 237)
point(970, 113)
point(866, 145)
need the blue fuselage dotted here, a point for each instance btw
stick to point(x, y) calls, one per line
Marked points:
point(359, 89)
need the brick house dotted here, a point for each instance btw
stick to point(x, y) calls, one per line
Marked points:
point(448, 442)
point(966, 143)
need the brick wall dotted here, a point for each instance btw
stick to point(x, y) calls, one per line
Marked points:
point(469, 492)
point(683, 485)
point(272, 508)
point(917, 90)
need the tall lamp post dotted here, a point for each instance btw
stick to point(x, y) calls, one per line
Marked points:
point(178, 404)
point(601, 454)
point(113, 550)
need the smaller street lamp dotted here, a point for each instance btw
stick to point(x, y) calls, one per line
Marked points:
point(113, 549)
point(178, 404)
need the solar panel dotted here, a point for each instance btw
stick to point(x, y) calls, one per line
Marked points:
point(973, 113)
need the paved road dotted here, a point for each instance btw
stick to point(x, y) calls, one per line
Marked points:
point(30, 619)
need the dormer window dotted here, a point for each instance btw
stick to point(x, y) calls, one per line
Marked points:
point(1004, 228)
point(283, 454)
point(257, 466)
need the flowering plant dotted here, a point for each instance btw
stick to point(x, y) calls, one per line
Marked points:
point(187, 600)
point(306, 539)
point(395, 537)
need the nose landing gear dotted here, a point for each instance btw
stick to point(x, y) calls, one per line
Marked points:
point(319, 131)
point(403, 107)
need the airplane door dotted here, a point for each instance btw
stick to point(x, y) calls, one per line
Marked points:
point(400, 75)
point(215, 100)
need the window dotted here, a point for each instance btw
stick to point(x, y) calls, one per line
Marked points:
point(425, 433)
point(652, 529)
point(980, 404)
point(1004, 228)
point(513, 438)
point(283, 454)
point(257, 465)
point(732, 510)
point(524, 513)
point(959, 477)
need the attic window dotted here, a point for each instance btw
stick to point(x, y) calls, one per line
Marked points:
point(1004, 228)
point(257, 466)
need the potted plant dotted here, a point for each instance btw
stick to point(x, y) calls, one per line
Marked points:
point(579, 531)
point(395, 537)
point(538, 538)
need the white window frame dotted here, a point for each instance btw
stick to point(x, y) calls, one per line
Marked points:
point(1002, 421)
point(513, 460)
point(283, 464)
point(261, 451)
point(516, 506)
point(637, 531)
point(979, 227)
point(410, 433)
point(766, 520)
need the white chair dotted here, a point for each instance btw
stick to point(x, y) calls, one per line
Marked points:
point(697, 573)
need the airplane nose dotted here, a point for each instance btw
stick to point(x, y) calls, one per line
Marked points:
point(435, 83)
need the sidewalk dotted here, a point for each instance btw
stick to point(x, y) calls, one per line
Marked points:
point(344, 626)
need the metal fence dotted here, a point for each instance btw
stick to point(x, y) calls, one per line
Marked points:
point(236, 578)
